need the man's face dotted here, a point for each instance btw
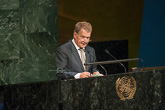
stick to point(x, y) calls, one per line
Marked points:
point(82, 38)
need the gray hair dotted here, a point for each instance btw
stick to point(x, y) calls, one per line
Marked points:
point(83, 25)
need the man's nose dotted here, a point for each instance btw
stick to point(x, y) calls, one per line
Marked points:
point(85, 40)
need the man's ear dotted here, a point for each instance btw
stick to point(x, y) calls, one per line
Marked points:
point(74, 34)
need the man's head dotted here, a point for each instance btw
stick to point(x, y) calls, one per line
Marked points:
point(82, 34)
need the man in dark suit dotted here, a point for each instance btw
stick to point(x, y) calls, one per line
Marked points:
point(73, 54)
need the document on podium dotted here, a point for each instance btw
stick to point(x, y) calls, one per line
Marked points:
point(96, 75)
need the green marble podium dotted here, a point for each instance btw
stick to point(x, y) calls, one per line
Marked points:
point(97, 93)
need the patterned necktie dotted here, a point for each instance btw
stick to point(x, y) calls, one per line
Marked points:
point(82, 58)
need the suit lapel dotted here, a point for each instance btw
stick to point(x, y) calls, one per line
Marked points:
point(76, 55)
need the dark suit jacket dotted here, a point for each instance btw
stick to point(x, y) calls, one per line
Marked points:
point(68, 58)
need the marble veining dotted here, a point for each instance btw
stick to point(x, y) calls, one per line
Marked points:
point(28, 39)
point(97, 93)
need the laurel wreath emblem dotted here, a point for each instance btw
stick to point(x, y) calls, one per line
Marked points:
point(125, 87)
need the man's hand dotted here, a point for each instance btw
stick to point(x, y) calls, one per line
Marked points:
point(84, 75)
point(98, 73)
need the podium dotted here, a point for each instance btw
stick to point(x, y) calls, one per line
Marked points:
point(97, 93)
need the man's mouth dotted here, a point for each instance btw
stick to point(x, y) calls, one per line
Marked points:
point(83, 43)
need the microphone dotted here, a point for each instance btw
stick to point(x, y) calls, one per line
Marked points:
point(116, 59)
point(96, 60)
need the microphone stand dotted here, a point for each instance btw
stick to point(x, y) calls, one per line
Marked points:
point(116, 59)
point(60, 104)
point(99, 64)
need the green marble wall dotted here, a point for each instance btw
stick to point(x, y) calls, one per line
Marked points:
point(28, 39)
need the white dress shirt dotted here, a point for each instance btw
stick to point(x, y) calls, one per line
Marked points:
point(77, 48)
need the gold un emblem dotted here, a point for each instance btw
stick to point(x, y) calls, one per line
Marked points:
point(125, 87)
